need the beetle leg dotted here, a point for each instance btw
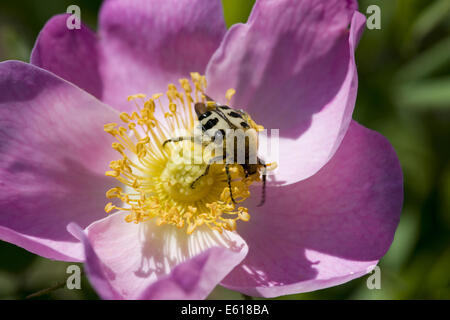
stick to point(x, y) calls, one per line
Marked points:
point(210, 162)
point(178, 139)
point(263, 196)
point(227, 169)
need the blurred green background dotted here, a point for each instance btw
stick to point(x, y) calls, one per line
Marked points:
point(404, 93)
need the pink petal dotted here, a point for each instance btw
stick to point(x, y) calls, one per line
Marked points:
point(328, 229)
point(94, 269)
point(148, 44)
point(70, 54)
point(145, 261)
point(53, 155)
point(293, 68)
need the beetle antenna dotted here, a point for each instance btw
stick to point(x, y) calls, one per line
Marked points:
point(208, 98)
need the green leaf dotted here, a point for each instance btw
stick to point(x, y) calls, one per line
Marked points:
point(425, 95)
point(430, 18)
point(236, 11)
point(427, 62)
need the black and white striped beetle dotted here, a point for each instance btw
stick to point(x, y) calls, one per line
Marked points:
point(219, 120)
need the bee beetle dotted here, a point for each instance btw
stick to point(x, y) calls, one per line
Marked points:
point(217, 122)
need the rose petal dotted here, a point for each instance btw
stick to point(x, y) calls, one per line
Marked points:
point(94, 269)
point(53, 155)
point(70, 54)
point(148, 44)
point(293, 68)
point(145, 261)
point(328, 229)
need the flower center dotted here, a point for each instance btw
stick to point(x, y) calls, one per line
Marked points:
point(179, 174)
point(167, 181)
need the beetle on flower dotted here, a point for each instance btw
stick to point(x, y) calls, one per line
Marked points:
point(332, 207)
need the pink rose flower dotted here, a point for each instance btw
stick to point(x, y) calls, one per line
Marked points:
point(331, 210)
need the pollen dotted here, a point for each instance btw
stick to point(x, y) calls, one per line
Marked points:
point(155, 180)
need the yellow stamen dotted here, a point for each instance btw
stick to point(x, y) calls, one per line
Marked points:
point(156, 180)
point(230, 93)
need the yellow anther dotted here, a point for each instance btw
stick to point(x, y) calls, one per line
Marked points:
point(110, 128)
point(198, 80)
point(191, 227)
point(122, 131)
point(243, 214)
point(156, 96)
point(185, 85)
point(173, 107)
point(136, 184)
point(125, 117)
point(230, 93)
point(126, 167)
point(229, 224)
point(114, 193)
point(150, 105)
point(147, 114)
point(135, 116)
point(112, 173)
point(136, 96)
point(180, 224)
point(171, 96)
point(195, 76)
point(115, 165)
point(272, 166)
point(109, 207)
point(253, 124)
point(117, 146)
